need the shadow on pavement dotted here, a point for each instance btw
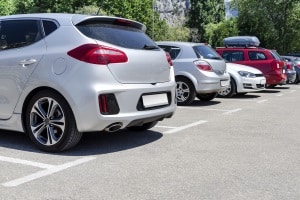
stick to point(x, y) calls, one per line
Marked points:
point(90, 144)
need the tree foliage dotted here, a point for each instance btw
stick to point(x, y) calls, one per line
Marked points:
point(203, 12)
point(274, 22)
point(6, 7)
point(138, 10)
point(215, 33)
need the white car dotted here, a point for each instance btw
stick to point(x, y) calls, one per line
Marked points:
point(243, 79)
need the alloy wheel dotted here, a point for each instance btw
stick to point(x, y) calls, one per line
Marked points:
point(47, 121)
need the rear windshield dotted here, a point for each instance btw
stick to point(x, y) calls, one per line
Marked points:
point(120, 35)
point(206, 52)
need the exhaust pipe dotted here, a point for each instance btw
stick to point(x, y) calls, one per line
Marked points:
point(113, 127)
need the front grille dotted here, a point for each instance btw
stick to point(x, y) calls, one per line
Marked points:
point(260, 85)
point(259, 75)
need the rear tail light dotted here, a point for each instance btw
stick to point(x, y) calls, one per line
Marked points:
point(108, 104)
point(289, 65)
point(275, 65)
point(96, 54)
point(169, 59)
point(202, 65)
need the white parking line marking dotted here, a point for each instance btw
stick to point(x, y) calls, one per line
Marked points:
point(193, 108)
point(169, 127)
point(232, 111)
point(261, 101)
point(292, 91)
point(279, 95)
point(46, 172)
point(25, 162)
point(184, 127)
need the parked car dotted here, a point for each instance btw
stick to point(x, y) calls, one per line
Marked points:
point(244, 50)
point(293, 65)
point(199, 71)
point(65, 74)
point(243, 79)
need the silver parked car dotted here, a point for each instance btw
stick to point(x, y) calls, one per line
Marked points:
point(199, 71)
point(65, 74)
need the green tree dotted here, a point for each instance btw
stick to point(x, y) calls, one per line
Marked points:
point(6, 7)
point(139, 10)
point(215, 33)
point(203, 12)
point(275, 23)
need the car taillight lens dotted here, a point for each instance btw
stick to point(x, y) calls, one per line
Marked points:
point(169, 59)
point(289, 65)
point(96, 54)
point(202, 65)
point(275, 65)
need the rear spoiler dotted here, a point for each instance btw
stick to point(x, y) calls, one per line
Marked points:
point(111, 20)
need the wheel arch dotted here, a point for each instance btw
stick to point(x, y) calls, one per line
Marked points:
point(189, 77)
point(31, 94)
point(235, 77)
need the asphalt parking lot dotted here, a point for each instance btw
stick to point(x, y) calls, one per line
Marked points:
point(246, 147)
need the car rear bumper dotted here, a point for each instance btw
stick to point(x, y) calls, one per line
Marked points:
point(291, 76)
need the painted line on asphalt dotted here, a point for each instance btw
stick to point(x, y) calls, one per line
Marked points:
point(180, 128)
point(262, 101)
point(279, 95)
point(168, 127)
point(212, 109)
point(46, 172)
point(232, 111)
point(25, 162)
point(292, 91)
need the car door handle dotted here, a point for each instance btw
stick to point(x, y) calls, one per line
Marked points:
point(27, 62)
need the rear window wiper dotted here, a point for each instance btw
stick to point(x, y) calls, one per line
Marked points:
point(150, 47)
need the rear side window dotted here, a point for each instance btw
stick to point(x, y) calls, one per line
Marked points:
point(49, 26)
point(275, 55)
point(255, 55)
point(18, 33)
point(172, 50)
point(233, 56)
point(206, 52)
point(120, 35)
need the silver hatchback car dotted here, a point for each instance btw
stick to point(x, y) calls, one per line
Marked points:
point(65, 74)
point(199, 71)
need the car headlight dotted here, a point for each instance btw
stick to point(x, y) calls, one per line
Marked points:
point(246, 74)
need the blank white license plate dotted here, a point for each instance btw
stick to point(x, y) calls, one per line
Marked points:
point(155, 100)
point(224, 83)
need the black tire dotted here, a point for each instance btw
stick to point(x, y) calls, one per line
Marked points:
point(50, 122)
point(144, 127)
point(297, 79)
point(271, 86)
point(207, 96)
point(229, 91)
point(242, 93)
point(185, 91)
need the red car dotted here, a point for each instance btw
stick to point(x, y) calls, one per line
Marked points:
point(244, 50)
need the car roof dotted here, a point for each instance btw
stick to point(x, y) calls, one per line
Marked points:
point(179, 43)
point(67, 19)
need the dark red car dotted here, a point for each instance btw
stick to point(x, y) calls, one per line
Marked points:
point(244, 50)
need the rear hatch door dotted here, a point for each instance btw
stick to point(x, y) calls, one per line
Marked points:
point(208, 54)
point(147, 63)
